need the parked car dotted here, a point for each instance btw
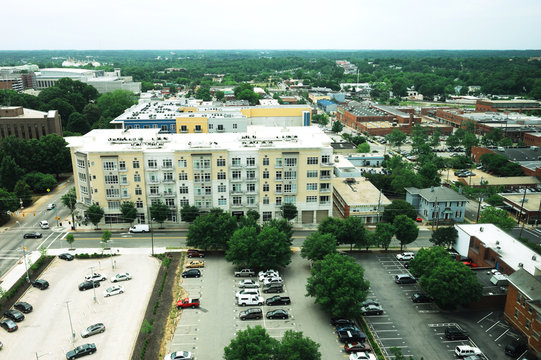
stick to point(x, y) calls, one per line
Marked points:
point(351, 336)
point(9, 325)
point(121, 277)
point(179, 355)
point(273, 288)
point(404, 279)
point(244, 284)
point(455, 333)
point(278, 300)
point(80, 351)
point(93, 330)
point(23, 307)
point(253, 291)
point(254, 313)
point(195, 264)
point(245, 273)
point(195, 253)
point(192, 273)
point(250, 300)
point(277, 314)
point(338, 322)
point(370, 302)
point(273, 280)
point(113, 290)
point(86, 285)
point(66, 256)
point(14, 315)
point(40, 284)
point(362, 356)
point(346, 328)
point(421, 298)
point(405, 256)
point(51, 206)
point(95, 277)
point(44, 224)
point(462, 351)
point(32, 235)
point(267, 273)
point(371, 310)
point(356, 346)
point(188, 302)
point(516, 347)
point(139, 228)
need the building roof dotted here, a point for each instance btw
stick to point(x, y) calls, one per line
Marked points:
point(29, 113)
point(532, 201)
point(510, 180)
point(343, 145)
point(510, 250)
point(439, 193)
point(325, 102)
point(527, 283)
point(359, 192)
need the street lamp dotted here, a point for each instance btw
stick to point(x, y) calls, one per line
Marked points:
point(152, 235)
point(24, 254)
point(69, 316)
point(38, 356)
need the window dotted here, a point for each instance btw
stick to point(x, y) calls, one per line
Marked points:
point(137, 177)
point(528, 323)
point(125, 193)
point(184, 202)
point(220, 162)
point(278, 200)
point(290, 175)
point(211, 126)
point(84, 189)
point(183, 189)
point(201, 164)
point(265, 161)
point(278, 162)
point(265, 174)
point(250, 174)
point(325, 174)
point(234, 126)
point(124, 179)
point(114, 193)
point(235, 162)
point(183, 128)
point(311, 199)
point(290, 188)
point(278, 188)
point(122, 165)
point(325, 159)
point(250, 161)
point(135, 164)
point(182, 163)
point(266, 200)
point(267, 215)
point(221, 175)
point(81, 164)
point(265, 187)
point(250, 187)
point(290, 199)
point(138, 191)
point(109, 165)
point(324, 199)
point(220, 127)
point(312, 160)
point(237, 200)
point(236, 188)
point(183, 176)
point(278, 175)
point(236, 175)
point(311, 174)
point(168, 177)
point(291, 161)
point(111, 179)
point(82, 176)
point(222, 188)
point(325, 187)
point(167, 163)
point(153, 164)
point(197, 128)
point(311, 186)
point(222, 201)
point(113, 204)
point(250, 200)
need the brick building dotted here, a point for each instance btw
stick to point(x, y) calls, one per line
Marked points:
point(532, 139)
point(506, 105)
point(27, 123)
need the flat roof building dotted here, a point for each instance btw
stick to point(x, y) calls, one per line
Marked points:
point(358, 197)
point(27, 123)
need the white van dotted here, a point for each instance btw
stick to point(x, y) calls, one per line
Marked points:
point(44, 224)
point(462, 351)
point(244, 300)
point(140, 228)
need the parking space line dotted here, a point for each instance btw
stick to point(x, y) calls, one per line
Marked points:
point(484, 317)
point(505, 332)
point(383, 339)
point(496, 323)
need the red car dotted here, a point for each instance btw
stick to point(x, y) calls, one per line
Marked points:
point(195, 253)
point(469, 263)
point(356, 346)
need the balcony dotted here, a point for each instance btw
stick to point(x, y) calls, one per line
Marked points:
point(153, 181)
point(236, 205)
point(168, 181)
point(167, 167)
point(152, 168)
point(323, 190)
point(236, 165)
point(238, 179)
point(169, 193)
point(156, 194)
point(325, 177)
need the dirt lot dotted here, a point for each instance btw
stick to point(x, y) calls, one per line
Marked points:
point(47, 329)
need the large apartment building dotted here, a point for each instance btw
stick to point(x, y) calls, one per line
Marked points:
point(260, 169)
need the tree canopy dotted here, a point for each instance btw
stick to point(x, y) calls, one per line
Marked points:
point(406, 230)
point(211, 231)
point(498, 217)
point(444, 236)
point(317, 246)
point(398, 207)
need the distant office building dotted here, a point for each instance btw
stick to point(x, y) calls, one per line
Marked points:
point(506, 105)
point(27, 123)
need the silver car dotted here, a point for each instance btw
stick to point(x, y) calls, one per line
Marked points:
point(93, 330)
point(121, 277)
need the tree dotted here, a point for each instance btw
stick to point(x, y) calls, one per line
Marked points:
point(495, 200)
point(468, 141)
point(203, 93)
point(251, 344)
point(396, 137)
point(398, 207)
point(95, 214)
point(10, 173)
point(363, 148)
point(444, 236)
point(113, 104)
point(56, 155)
point(105, 237)
point(289, 211)
point(128, 211)
point(317, 246)
point(406, 230)
point(219, 95)
point(384, 234)
point(40, 182)
point(78, 123)
point(69, 199)
point(70, 239)
point(337, 127)
point(159, 212)
point(321, 119)
point(338, 285)
point(452, 140)
point(294, 346)
point(189, 213)
point(23, 191)
point(354, 232)
point(212, 230)
point(435, 138)
point(498, 217)
point(282, 225)
point(8, 201)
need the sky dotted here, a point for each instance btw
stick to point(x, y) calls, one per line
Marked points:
point(276, 24)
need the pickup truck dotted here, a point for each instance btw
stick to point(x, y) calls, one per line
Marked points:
point(193, 303)
point(245, 273)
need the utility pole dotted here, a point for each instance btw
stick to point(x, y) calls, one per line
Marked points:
point(93, 284)
point(379, 204)
point(521, 207)
point(71, 325)
point(24, 255)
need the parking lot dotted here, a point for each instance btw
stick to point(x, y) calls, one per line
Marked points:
point(46, 331)
point(207, 330)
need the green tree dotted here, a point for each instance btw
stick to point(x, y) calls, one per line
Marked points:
point(289, 211)
point(435, 138)
point(444, 236)
point(159, 212)
point(128, 211)
point(203, 93)
point(406, 230)
point(452, 140)
point(384, 234)
point(212, 230)
point(495, 200)
point(69, 199)
point(337, 127)
point(363, 148)
point(282, 225)
point(113, 104)
point(338, 285)
point(239, 250)
point(251, 344)
point(70, 239)
point(95, 214)
point(317, 246)
point(23, 191)
point(189, 213)
point(10, 173)
point(321, 119)
point(498, 217)
point(56, 155)
point(219, 95)
point(40, 182)
point(294, 346)
point(398, 207)
point(396, 137)
point(468, 141)
point(105, 237)
point(8, 201)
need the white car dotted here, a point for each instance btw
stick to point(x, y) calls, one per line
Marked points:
point(179, 355)
point(273, 280)
point(44, 224)
point(113, 290)
point(269, 273)
point(95, 277)
point(121, 277)
point(248, 283)
point(406, 256)
point(362, 356)
point(51, 206)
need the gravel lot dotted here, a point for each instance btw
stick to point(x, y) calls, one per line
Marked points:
point(46, 331)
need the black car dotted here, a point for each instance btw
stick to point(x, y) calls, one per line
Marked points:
point(24, 307)
point(14, 315)
point(66, 256)
point(346, 328)
point(277, 314)
point(88, 285)
point(278, 300)
point(255, 313)
point(273, 288)
point(32, 235)
point(421, 298)
point(338, 322)
point(455, 333)
point(40, 284)
point(81, 351)
point(9, 325)
point(515, 348)
point(192, 273)
point(349, 336)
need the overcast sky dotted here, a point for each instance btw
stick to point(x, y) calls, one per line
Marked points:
point(276, 24)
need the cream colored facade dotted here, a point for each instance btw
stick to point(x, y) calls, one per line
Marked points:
point(260, 170)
